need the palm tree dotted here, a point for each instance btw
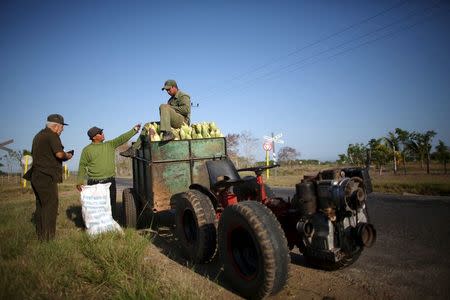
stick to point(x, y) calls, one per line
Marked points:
point(392, 142)
point(403, 137)
point(442, 154)
point(421, 142)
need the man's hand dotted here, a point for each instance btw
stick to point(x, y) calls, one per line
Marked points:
point(69, 155)
point(63, 155)
point(137, 127)
point(79, 187)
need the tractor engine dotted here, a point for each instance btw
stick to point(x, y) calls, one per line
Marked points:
point(332, 221)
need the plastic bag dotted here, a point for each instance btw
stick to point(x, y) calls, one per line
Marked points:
point(96, 209)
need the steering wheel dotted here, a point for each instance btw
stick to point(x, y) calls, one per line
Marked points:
point(260, 169)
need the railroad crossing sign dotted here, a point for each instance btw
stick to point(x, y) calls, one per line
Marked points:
point(3, 144)
point(267, 146)
point(274, 139)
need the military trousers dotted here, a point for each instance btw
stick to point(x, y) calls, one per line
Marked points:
point(46, 191)
point(170, 118)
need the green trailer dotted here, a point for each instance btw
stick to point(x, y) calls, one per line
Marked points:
point(164, 169)
point(187, 185)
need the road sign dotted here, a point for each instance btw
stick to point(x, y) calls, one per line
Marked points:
point(267, 146)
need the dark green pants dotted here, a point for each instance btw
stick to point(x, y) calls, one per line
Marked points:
point(46, 192)
point(170, 118)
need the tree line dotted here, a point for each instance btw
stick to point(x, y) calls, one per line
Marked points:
point(12, 160)
point(397, 147)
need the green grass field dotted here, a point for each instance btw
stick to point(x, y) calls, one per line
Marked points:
point(416, 181)
point(76, 266)
point(123, 266)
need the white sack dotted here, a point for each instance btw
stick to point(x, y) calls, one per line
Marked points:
point(96, 209)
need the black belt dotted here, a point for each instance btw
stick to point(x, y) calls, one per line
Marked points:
point(105, 180)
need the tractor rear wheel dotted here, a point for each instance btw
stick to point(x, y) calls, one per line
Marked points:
point(253, 250)
point(195, 222)
point(130, 208)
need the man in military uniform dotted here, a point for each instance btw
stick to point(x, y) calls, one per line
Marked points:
point(97, 161)
point(173, 114)
point(46, 173)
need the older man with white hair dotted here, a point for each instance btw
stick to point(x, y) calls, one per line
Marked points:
point(46, 173)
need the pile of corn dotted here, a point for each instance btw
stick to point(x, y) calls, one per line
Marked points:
point(202, 130)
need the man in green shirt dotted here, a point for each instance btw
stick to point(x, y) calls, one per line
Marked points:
point(97, 161)
point(173, 114)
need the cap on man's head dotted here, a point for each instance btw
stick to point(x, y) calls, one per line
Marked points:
point(56, 118)
point(93, 132)
point(168, 84)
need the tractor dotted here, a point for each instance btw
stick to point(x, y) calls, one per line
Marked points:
point(217, 212)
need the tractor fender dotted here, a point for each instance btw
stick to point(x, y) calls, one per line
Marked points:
point(206, 191)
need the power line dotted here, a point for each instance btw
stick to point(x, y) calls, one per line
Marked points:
point(266, 76)
point(426, 10)
point(423, 20)
point(320, 40)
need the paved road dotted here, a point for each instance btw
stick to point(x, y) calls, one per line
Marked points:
point(411, 258)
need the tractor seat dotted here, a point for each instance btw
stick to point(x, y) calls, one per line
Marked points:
point(222, 174)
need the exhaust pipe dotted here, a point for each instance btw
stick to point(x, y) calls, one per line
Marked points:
point(306, 228)
point(365, 234)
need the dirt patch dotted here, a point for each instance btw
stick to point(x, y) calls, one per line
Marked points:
point(308, 283)
point(304, 282)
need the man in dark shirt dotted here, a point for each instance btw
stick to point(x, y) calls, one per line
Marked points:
point(46, 173)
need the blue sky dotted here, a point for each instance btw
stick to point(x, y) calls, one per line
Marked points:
point(323, 73)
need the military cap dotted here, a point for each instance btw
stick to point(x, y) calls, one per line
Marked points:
point(94, 131)
point(168, 84)
point(56, 118)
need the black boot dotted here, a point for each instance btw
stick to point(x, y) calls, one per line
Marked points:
point(130, 152)
point(168, 136)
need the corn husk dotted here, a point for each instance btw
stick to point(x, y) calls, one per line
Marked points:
point(202, 130)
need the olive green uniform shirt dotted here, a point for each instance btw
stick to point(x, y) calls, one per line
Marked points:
point(98, 160)
point(181, 103)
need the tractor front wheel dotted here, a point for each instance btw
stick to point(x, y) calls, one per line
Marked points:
point(253, 249)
